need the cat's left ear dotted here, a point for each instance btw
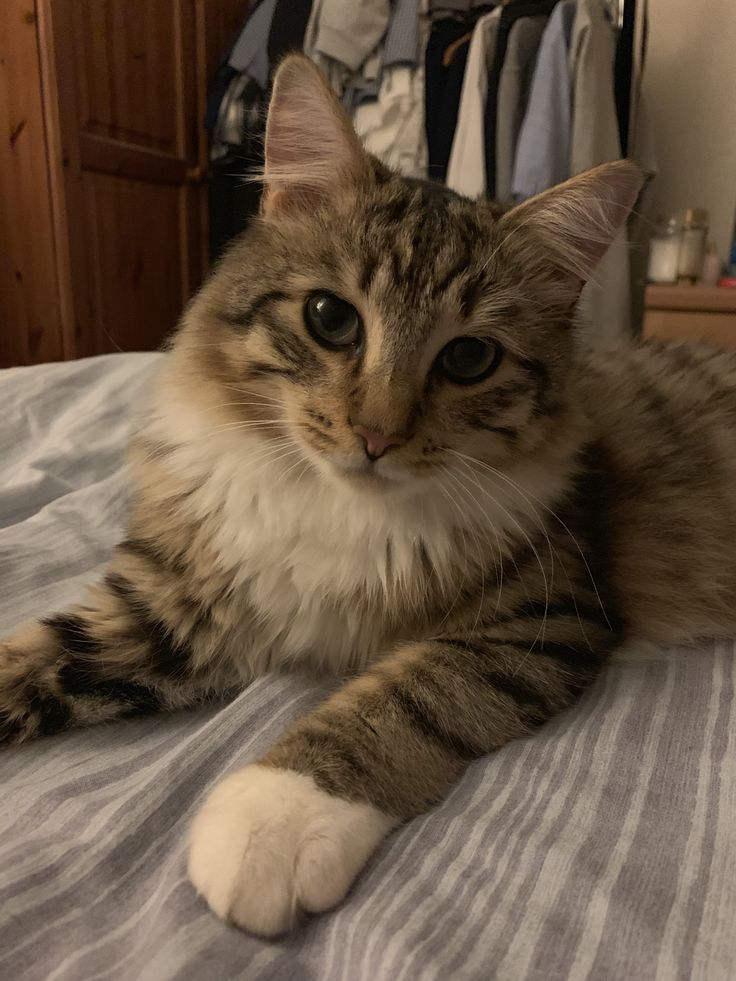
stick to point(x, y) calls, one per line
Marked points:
point(562, 233)
point(312, 150)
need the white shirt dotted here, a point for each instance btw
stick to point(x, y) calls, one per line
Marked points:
point(466, 171)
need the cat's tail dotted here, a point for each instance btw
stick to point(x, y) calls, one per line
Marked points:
point(143, 641)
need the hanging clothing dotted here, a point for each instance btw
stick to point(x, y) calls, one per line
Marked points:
point(401, 46)
point(239, 137)
point(466, 171)
point(288, 27)
point(513, 92)
point(443, 85)
point(343, 38)
point(392, 125)
point(543, 149)
point(401, 49)
point(444, 8)
point(510, 14)
point(250, 52)
point(605, 303)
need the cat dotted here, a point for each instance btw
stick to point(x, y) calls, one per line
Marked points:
point(377, 447)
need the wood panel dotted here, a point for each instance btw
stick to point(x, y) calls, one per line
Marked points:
point(139, 286)
point(30, 318)
point(127, 87)
point(130, 121)
point(717, 329)
point(222, 22)
point(711, 299)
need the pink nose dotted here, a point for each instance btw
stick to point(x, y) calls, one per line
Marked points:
point(375, 443)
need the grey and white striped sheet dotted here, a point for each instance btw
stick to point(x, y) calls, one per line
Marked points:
point(603, 848)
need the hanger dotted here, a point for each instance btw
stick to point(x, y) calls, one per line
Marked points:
point(452, 49)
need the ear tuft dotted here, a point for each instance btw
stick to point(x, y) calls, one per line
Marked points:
point(311, 147)
point(574, 222)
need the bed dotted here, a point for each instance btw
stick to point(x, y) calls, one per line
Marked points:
point(603, 848)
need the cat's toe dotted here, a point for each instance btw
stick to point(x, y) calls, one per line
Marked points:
point(269, 844)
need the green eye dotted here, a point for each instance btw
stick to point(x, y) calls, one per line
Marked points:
point(467, 360)
point(332, 322)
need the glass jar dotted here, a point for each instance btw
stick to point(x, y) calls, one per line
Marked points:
point(664, 252)
point(692, 245)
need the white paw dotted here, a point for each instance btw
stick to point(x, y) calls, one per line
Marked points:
point(269, 843)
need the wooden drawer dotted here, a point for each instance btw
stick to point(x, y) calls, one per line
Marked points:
point(693, 313)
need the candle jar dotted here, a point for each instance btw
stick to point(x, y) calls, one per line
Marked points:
point(664, 252)
point(692, 245)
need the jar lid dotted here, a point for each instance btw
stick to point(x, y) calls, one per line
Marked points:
point(695, 216)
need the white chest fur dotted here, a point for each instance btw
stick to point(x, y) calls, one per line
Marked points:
point(318, 561)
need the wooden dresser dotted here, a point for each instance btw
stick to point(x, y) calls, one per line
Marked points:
point(695, 313)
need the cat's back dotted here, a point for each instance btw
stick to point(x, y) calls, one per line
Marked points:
point(677, 387)
point(664, 418)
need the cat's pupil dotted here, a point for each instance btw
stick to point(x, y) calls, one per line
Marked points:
point(333, 322)
point(469, 359)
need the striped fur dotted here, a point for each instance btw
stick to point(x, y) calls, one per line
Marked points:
point(474, 579)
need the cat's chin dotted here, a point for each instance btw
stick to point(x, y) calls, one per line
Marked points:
point(375, 478)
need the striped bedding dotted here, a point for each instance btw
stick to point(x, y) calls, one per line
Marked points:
point(603, 848)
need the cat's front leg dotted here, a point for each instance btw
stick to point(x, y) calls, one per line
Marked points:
point(290, 833)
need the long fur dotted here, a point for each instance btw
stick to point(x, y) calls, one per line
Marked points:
point(473, 580)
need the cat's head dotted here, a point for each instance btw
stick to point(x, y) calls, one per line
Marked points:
point(387, 327)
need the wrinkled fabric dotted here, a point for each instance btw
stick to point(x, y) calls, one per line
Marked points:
point(602, 848)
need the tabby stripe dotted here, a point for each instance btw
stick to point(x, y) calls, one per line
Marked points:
point(507, 432)
point(78, 677)
point(244, 319)
point(168, 657)
point(577, 658)
point(291, 348)
point(327, 747)
point(154, 556)
point(73, 634)
point(469, 295)
point(53, 715)
point(527, 698)
point(457, 269)
point(370, 267)
point(422, 718)
point(538, 371)
point(324, 437)
point(567, 607)
point(257, 369)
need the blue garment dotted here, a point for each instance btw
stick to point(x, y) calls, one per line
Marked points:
point(401, 46)
point(543, 149)
point(250, 53)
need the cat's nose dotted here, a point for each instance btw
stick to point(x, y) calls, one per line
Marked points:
point(376, 443)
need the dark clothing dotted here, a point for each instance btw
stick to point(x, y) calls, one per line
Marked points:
point(509, 15)
point(289, 24)
point(442, 87)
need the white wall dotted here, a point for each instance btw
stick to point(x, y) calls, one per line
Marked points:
point(690, 87)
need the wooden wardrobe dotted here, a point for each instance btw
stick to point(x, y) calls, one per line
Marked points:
point(103, 168)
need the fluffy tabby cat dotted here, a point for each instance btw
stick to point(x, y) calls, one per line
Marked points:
point(373, 447)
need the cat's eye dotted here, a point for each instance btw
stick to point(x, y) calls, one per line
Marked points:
point(332, 322)
point(468, 360)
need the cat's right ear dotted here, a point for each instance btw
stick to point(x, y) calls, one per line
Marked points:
point(312, 151)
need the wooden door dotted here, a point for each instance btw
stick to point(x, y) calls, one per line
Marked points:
point(30, 314)
point(130, 79)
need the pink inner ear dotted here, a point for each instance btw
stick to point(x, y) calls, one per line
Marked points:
point(310, 145)
point(580, 218)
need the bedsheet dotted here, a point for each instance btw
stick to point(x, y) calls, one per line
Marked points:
point(602, 848)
